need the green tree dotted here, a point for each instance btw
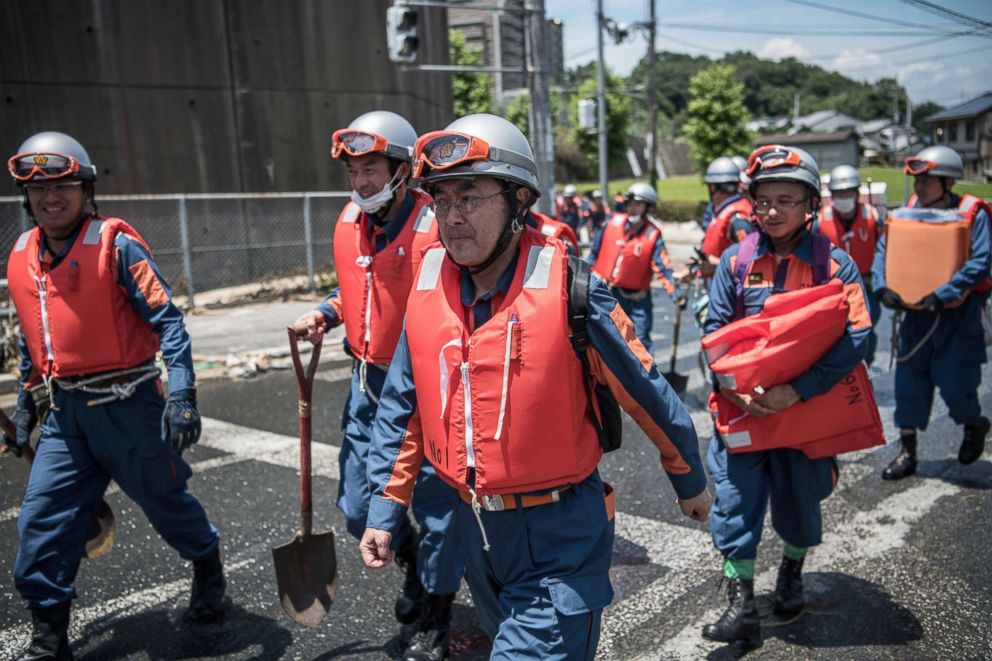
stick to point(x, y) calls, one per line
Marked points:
point(470, 90)
point(716, 115)
point(920, 114)
point(619, 115)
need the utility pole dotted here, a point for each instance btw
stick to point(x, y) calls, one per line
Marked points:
point(652, 98)
point(541, 136)
point(601, 94)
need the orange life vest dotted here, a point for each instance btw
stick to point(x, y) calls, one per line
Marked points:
point(375, 285)
point(843, 419)
point(508, 397)
point(75, 318)
point(556, 229)
point(792, 332)
point(859, 241)
point(969, 205)
point(718, 237)
point(625, 261)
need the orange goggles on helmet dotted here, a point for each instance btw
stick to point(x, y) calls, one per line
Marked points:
point(24, 167)
point(357, 143)
point(441, 150)
point(771, 157)
point(916, 166)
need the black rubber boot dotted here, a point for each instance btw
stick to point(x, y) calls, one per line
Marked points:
point(789, 588)
point(432, 639)
point(410, 602)
point(973, 443)
point(206, 601)
point(904, 464)
point(740, 622)
point(50, 634)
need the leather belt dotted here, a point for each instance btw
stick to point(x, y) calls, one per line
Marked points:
point(498, 503)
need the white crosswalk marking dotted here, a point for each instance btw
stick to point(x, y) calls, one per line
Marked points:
point(17, 638)
point(267, 447)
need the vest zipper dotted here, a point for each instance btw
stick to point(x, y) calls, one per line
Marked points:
point(43, 299)
point(469, 450)
point(368, 308)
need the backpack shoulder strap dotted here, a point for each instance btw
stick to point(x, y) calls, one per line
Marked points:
point(821, 259)
point(745, 255)
point(577, 279)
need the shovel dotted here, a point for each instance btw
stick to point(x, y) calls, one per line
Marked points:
point(101, 536)
point(677, 381)
point(306, 565)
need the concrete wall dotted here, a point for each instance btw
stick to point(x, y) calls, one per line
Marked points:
point(209, 95)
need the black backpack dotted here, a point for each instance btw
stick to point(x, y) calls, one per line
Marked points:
point(607, 421)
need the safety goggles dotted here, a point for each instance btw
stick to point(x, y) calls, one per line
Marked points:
point(440, 150)
point(357, 143)
point(772, 156)
point(917, 166)
point(24, 167)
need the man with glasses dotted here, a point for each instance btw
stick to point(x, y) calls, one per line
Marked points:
point(629, 253)
point(855, 228)
point(943, 342)
point(108, 418)
point(378, 241)
point(488, 387)
point(783, 256)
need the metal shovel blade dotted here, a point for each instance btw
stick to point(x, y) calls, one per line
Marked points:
point(677, 381)
point(102, 527)
point(307, 576)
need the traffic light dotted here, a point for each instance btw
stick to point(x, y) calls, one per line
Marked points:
point(587, 115)
point(401, 34)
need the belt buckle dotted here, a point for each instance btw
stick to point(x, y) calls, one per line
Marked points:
point(493, 503)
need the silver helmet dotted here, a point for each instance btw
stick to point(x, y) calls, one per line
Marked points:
point(939, 161)
point(642, 192)
point(722, 170)
point(376, 132)
point(51, 155)
point(739, 161)
point(844, 177)
point(475, 146)
point(782, 163)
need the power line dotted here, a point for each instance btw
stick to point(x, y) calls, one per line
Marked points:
point(872, 17)
point(924, 59)
point(835, 31)
point(944, 12)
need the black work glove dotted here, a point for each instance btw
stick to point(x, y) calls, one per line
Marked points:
point(931, 303)
point(890, 299)
point(180, 420)
point(25, 419)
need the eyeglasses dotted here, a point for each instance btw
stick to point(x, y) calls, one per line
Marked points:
point(62, 187)
point(444, 149)
point(763, 207)
point(464, 205)
point(917, 166)
point(48, 165)
point(772, 156)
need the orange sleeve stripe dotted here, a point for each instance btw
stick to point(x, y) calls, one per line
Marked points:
point(149, 284)
point(858, 313)
point(671, 458)
point(404, 476)
point(626, 328)
point(335, 303)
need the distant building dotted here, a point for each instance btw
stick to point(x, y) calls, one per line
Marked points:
point(967, 128)
point(830, 149)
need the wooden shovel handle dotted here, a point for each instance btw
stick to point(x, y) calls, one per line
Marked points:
point(304, 379)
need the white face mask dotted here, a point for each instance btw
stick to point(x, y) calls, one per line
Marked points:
point(844, 205)
point(378, 201)
point(634, 219)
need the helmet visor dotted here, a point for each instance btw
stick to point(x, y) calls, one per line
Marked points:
point(916, 166)
point(357, 143)
point(772, 157)
point(440, 150)
point(24, 167)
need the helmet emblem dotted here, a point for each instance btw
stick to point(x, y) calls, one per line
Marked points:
point(40, 159)
point(446, 149)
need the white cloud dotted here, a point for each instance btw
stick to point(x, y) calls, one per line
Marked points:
point(857, 60)
point(782, 47)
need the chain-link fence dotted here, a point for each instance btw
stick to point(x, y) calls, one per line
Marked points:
point(211, 241)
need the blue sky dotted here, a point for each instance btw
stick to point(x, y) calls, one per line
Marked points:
point(947, 70)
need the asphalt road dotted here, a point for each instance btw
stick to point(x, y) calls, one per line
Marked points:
point(903, 573)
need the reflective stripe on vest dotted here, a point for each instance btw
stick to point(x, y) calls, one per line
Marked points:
point(374, 285)
point(61, 341)
point(507, 398)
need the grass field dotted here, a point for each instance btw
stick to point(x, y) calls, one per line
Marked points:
point(691, 188)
